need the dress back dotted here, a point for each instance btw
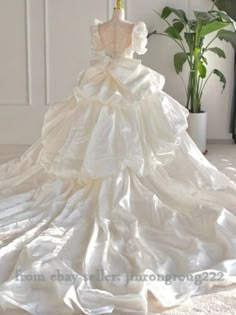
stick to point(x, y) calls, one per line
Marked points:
point(116, 42)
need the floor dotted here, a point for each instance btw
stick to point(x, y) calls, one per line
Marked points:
point(224, 158)
point(220, 300)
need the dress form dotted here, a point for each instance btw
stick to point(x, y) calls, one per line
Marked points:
point(118, 15)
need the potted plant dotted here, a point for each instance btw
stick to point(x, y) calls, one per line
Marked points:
point(191, 35)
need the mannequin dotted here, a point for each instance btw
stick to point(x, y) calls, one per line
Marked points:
point(118, 15)
point(116, 33)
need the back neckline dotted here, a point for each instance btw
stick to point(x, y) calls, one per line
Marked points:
point(98, 22)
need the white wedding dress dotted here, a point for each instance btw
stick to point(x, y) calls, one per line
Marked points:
point(114, 186)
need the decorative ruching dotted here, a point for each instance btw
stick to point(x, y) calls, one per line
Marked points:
point(111, 81)
point(86, 140)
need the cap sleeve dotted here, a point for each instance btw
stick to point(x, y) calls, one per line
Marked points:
point(95, 41)
point(139, 39)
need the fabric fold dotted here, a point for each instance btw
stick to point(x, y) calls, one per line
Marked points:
point(114, 81)
point(85, 139)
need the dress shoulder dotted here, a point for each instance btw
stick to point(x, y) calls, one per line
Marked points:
point(139, 38)
point(95, 41)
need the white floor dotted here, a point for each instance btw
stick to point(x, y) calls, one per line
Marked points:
point(220, 301)
point(224, 158)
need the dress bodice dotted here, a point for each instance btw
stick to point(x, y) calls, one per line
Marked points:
point(138, 42)
point(114, 77)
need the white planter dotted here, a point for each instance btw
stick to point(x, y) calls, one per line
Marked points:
point(198, 130)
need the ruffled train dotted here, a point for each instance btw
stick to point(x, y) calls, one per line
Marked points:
point(114, 185)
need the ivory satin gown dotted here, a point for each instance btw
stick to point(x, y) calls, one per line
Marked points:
point(114, 186)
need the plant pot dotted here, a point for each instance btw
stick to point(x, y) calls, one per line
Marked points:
point(198, 129)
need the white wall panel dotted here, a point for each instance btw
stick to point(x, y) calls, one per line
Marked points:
point(44, 44)
point(67, 42)
point(14, 83)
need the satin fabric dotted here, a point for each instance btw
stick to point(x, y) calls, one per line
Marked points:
point(114, 186)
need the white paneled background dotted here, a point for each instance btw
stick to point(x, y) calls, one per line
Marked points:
point(45, 43)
